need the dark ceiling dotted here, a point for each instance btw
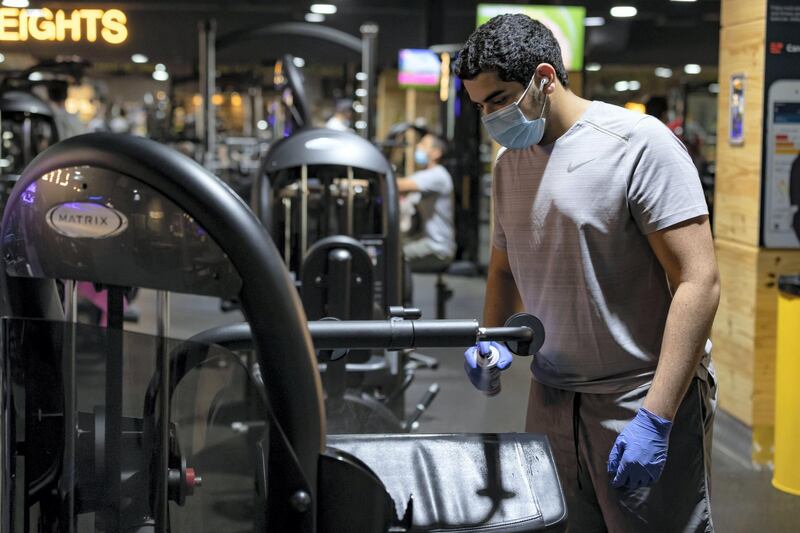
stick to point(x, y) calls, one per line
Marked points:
point(664, 32)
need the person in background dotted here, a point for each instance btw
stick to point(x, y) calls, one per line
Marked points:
point(656, 106)
point(120, 123)
point(436, 246)
point(98, 121)
point(67, 124)
point(342, 116)
point(601, 230)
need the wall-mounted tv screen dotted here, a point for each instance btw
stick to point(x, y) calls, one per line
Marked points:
point(419, 69)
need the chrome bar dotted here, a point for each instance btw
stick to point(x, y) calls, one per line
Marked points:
point(162, 331)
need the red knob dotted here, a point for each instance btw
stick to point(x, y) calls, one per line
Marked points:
point(192, 479)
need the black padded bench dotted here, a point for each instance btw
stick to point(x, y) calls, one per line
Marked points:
point(466, 482)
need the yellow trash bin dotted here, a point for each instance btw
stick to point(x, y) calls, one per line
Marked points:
point(787, 388)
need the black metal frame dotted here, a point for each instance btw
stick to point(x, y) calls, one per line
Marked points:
point(290, 369)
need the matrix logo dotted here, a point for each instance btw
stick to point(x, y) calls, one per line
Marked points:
point(775, 47)
point(86, 220)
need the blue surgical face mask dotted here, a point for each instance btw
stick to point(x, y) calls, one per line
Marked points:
point(420, 157)
point(509, 126)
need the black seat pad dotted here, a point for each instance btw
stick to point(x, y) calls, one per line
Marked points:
point(466, 482)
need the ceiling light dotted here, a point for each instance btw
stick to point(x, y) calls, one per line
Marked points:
point(361, 92)
point(692, 68)
point(634, 85)
point(323, 9)
point(2, 57)
point(713, 88)
point(663, 72)
point(160, 75)
point(593, 67)
point(360, 125)
point(299, 62)
point(314, 17)
point(262, 124)
point(358, 107)
point(35, 76)
point(623, 11)
point(361, 76)
point(160, 66)
point(139, 58)
point(594, 21)
point(621, 86)
point(16, 3)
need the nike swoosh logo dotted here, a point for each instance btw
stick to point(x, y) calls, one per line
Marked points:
point(573, 166)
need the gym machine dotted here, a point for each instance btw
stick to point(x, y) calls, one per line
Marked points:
point(319, 183)
point(330, 202)
point(28, 127)
point(107, 430)
point(209, 44)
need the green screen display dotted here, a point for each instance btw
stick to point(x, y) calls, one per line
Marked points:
point(566, 23)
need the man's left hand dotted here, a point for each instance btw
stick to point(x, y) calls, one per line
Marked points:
point(640, 452)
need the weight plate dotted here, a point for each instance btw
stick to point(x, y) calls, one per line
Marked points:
point(537, 330)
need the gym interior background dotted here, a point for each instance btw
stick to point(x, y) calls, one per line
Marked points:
point(223, 82)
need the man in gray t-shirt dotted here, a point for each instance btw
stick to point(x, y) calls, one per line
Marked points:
point(435, 247)
point(601, 230)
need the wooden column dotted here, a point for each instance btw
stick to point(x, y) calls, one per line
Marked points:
point(745, 327)
point(411, 140)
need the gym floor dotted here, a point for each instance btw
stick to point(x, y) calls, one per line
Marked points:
point(743, 499)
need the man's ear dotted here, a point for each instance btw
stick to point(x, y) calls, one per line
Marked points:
point(546, 71)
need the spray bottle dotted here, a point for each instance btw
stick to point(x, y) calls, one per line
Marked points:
point(487, 359)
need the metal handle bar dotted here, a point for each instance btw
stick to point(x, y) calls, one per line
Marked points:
point(523, 332)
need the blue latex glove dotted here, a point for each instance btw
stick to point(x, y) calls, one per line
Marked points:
point(471, 367)
point(640, 452)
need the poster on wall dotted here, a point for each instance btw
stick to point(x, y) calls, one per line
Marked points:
point(780, 223)
point(566, 23)
point(736, 135)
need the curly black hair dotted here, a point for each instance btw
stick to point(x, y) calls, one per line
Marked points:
point(512, 46)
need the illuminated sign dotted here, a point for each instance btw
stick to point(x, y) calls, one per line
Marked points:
point(60, 25)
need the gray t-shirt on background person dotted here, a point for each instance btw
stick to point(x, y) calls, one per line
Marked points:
point(573, 217)
point(436, 209)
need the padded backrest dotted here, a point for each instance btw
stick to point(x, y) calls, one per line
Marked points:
point(324, 293)
point(68, 213)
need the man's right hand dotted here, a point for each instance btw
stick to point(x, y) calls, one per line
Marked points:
point(474, 371)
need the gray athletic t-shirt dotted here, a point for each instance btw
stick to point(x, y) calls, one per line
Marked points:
point(436, 209)
point(573, 217)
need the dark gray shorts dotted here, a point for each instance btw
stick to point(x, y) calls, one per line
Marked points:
point(582, 429)
point(421, 255)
